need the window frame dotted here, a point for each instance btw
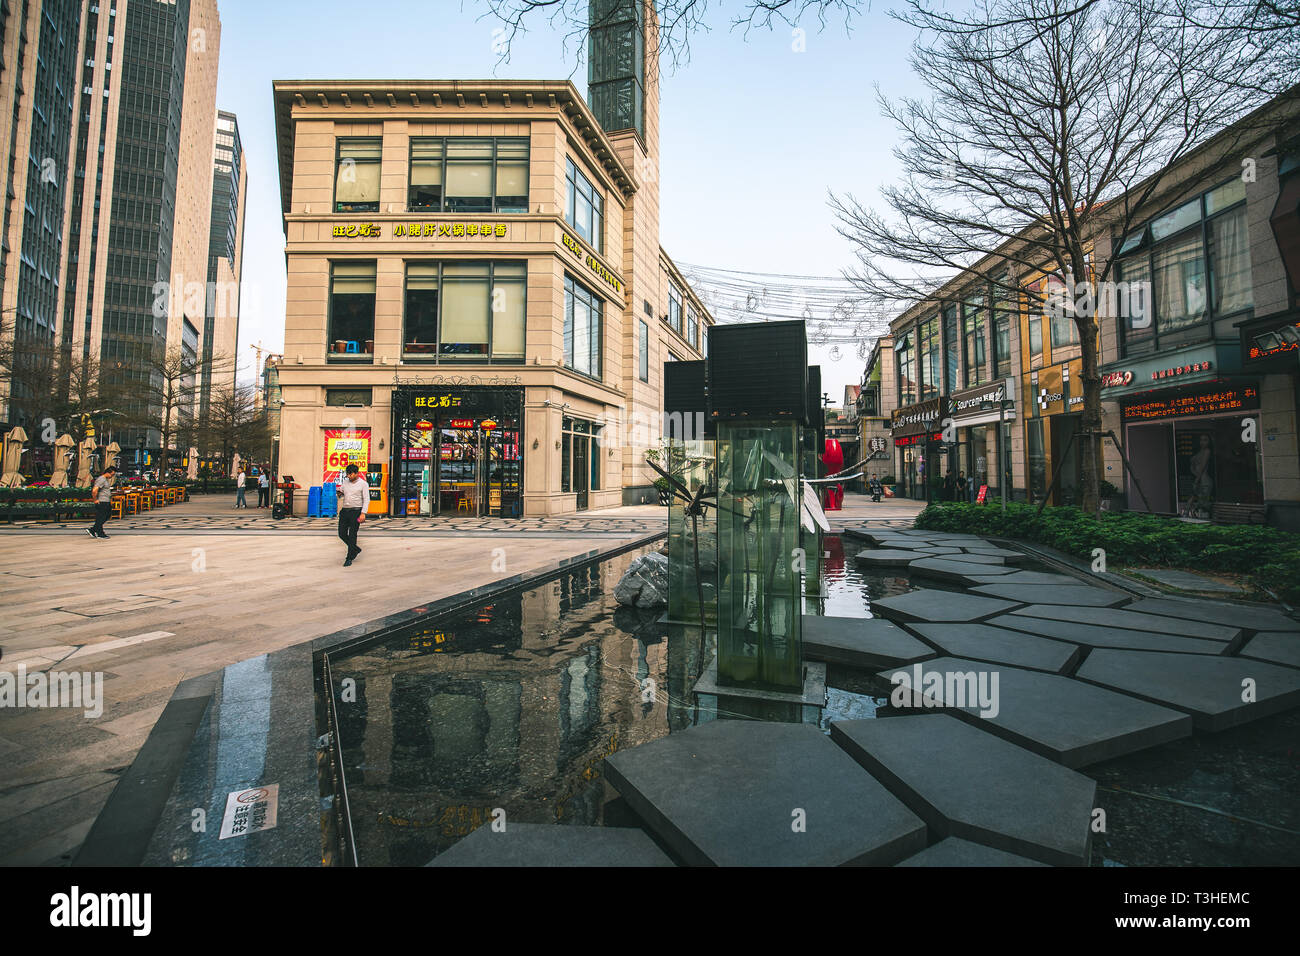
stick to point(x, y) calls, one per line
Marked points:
point(573, 173)
point(362, 356)
point(437, 357)
point(339, 142)
point(494, 202)
point(572, 285)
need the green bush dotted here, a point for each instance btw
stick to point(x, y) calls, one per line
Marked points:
point(43, 493)
point(1268, 556)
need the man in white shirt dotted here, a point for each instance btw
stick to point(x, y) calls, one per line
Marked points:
point(354, 499)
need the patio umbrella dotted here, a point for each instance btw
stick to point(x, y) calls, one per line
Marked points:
point(12, 458)
point(234, 465)
point(85, 452)
point(111, 453)
point(63, 447)
point(193, 471)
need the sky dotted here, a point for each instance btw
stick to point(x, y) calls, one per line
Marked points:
point(755, 131)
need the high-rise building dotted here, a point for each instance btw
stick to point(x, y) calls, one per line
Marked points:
point(38, 76)
point(225, 258)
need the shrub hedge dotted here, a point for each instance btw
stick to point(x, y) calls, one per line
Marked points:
point(1268, 556)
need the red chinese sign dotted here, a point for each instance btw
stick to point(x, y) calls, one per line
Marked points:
point(1200, 403)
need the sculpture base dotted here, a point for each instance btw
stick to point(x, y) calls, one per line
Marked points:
point(760, 704)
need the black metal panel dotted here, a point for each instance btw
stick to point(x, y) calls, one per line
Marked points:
point(685, 397)
point(758, 370)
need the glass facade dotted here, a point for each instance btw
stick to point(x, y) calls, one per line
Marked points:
point(223, 238)
point(584, 207)
point(582, 328)
point(464, 312)
point(616, 64)
point(465, 174)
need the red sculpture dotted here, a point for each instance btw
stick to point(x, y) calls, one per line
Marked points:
point(833, 459)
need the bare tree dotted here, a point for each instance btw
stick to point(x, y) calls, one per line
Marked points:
point(236, 423)
point(1049, 122)
point(166, 388)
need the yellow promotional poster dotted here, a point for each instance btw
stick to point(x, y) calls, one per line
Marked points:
point(345, 447)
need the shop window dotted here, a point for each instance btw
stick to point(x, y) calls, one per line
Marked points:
point(464, 174)
point(352, 312)
point(466, 302)
point(585, 207)
point(643, 351)
point(582, 329)
point(952, 348)
point(420, 338)
point(930, 358)
point(1230, 283)
point(906, 358)
point(356, 176)
point(458, 311)
point(1178, 282)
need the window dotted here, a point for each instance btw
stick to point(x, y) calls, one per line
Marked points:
point(643, 350)
point(906, 356)
point(1135, 304)
point(457, 311)
point(1064, 330)
point(929, 349)
point(1229, 250)
point(973, 325)
point(352, 312)
point(675, 308)
point(585, 209)
point(420, 339)
point(356, 178)
point(348, 396)
point(1178, 281)
point(1035, 322)
point(582, 329)
point(468, 174)
point(692, 326)
point(952, 346)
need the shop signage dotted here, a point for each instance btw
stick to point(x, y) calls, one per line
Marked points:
point(461, 423)
point(920, 418)
point(437, 401)
point(908, 440)
point(1180, 370)
point(428, 230)
point(1116, 379)
point(1207, 402)
point(984, 493)
point(591, 262)
point(1049, 388)
point(975, 399)
point(343, 447)
point(1277, 341)
point(416, 454)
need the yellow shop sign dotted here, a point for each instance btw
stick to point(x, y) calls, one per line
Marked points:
point(592, 263)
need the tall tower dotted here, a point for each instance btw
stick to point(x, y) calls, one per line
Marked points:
point(225, 260)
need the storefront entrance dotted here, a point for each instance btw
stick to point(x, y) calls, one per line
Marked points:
point(459, 452)
point(1187, 466)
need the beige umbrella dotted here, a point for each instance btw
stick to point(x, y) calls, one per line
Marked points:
point(85, 452)
point(63, 447)
point(12, 458)
point(234, 465)
point(111, 453)
point(193, 471)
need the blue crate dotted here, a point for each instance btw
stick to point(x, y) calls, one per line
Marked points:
point(313, 501)
point(329, 502)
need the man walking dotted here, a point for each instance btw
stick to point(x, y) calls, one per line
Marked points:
point(103, 495)
point(354, 499)
point(239, 489)
point(263, 489)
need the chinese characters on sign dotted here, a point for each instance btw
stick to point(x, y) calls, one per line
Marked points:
point(414, 230)
point(345, 447)
point(1181, 370)
point(437, 401)
point(248, 811)
point(1204, 403)
point(572, 245)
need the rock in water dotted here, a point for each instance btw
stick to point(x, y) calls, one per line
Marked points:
point(645, 584)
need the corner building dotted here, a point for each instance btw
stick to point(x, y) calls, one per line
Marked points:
point(478, 307)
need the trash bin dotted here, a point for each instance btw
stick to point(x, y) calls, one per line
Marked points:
point(329, 501)
point(313, 501)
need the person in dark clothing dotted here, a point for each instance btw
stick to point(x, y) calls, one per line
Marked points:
point(949, 487)
point(354, 499)
point(961, 487)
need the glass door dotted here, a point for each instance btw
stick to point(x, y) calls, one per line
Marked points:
point(581, 474)
point(458, 471)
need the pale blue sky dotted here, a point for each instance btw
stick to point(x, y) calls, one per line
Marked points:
point(752, 133)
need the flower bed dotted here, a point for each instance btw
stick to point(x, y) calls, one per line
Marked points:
point(1269, 557)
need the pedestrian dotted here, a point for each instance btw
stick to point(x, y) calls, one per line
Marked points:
point(354, 495)
point(961, 487)
point(263, 489)
point(876, 489)
point(239, 489)
point(103, 495)
point(949, 484)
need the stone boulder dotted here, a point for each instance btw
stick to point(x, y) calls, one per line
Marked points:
point(646, 582)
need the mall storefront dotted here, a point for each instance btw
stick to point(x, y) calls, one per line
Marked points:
point(1191, 433)
point(1053, 404)
point(917, 432)
point(977, 415)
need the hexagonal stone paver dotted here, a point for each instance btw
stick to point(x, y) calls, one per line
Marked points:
point(929, 604)
point(1280, 647)
point(973, 557)
point(860, 642)
point(887, 558)
point(1078, 595)
point(958, 572)
point(1092, 635)
point(1027, 577)
point(956, 852)
point(966, 783)
point(725, 792)
point(1132, 621)
point(1070, 721)
point(1011, 557)
point(1208, 688)
point(981, 642)
point(1232, 615)
point(541, 844)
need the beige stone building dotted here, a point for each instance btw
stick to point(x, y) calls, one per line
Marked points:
point(478, 306)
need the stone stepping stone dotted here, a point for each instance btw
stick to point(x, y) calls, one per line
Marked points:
point(723, 794)
point(955, 852)
point(981, 642)
point(935, 549)
point(966, 783)
point(541, 844)
point(1208, 688)
point(1280, 647)
point(887, 558)
point(1232, 615)
point(1078, 595)
point(971, 557)
point(1188, 580)
point(1069, 721)
point(1028, 577)
point(1114, 637)
point(957, 572)
point(1011, 557)
point(1132, 621)
point(860, 642)
point(929, 604)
